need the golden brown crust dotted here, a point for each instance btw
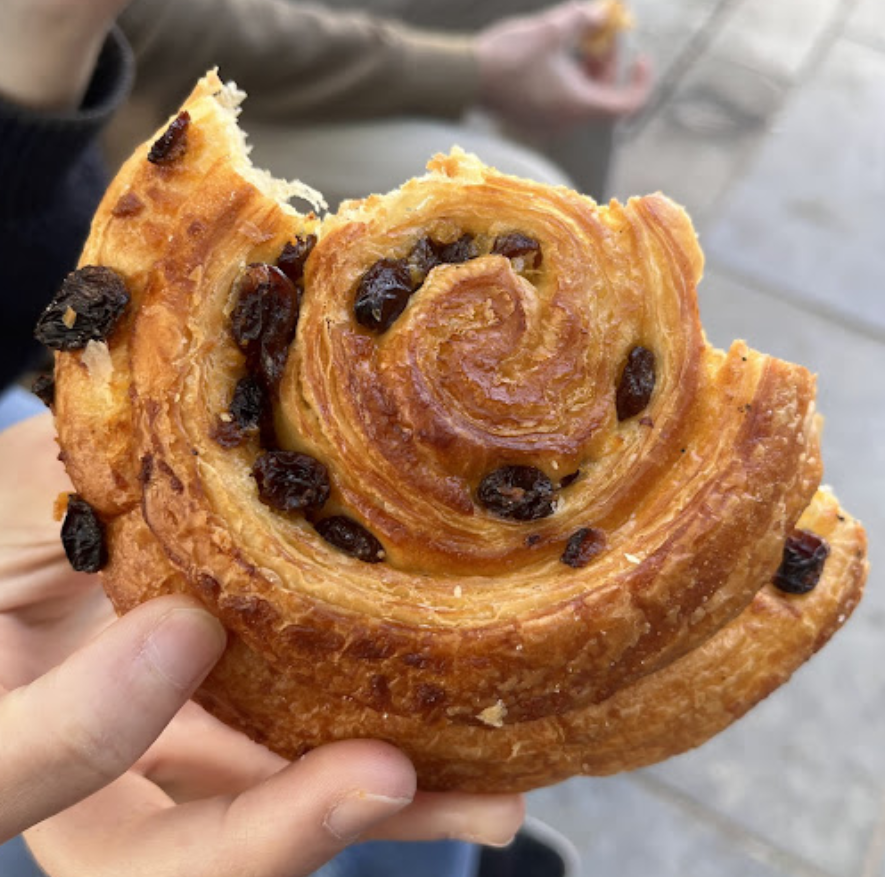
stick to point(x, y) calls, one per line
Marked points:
point(616, 18)
point(473, 642)
point(663, 714)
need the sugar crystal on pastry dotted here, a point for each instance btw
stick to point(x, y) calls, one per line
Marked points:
point(633, 619)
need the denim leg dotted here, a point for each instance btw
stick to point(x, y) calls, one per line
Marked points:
point(16, 860)
point(17, 404)
point(447, 858)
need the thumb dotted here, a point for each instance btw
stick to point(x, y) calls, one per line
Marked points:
point(83, 724)
point(288, 824)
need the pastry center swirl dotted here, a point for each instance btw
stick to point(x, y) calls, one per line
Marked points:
point(490, 344)
point(481, 367)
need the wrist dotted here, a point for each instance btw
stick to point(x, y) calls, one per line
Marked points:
point(48, 54)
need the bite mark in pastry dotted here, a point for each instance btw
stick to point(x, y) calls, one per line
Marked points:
point(455, 466)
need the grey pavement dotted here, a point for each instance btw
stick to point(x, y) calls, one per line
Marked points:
point(768, 124)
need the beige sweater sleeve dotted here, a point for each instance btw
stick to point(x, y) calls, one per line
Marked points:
point(297, 60)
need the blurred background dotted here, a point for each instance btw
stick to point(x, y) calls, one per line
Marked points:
point(768, 123)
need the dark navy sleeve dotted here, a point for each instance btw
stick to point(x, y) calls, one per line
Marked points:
point(52, 177)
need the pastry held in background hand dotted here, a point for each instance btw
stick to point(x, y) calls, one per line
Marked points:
point(599, 43)
point(455, 466)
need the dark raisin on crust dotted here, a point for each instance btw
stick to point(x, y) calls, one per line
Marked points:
point(86, 308)
point(247, 413)
point(352, 538)
point(803, 562)
point(248, 403)
point(568, 480)
point(264, 320)
point(637, 383)
point(44, 388)
point(424, 257)
point(382, 294)
point(226, 433)
point(521, 493)
point(461, 250)
point(172, 143)
point(292, 259)
point(428, 253)
point(82, 535)
point(583, 546)
point(517, 245)
point(291, 482)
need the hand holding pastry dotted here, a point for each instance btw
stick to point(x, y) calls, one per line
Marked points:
point(83, 697)
point(536, 69)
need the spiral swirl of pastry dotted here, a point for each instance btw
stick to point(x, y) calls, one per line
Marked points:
point(457, 460)
point(495, 362)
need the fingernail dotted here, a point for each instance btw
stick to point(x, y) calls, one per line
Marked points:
point(358, 812)
point(503, 840)
point(492, 822)
point(185, 645)
point(487, 838)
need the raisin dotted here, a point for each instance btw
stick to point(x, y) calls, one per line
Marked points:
point(516, 245)
point(637, 383)
point(803, 562)
point(290, 482)
point(382, 294)
point(248, 404)
point(583, 546)
point(248, 411)
point(172, 143)
point(351, 538)
point(86, 308)
point(461, 250)
point(264, 320)
point(292, 259)
point(44, 389)
point(227, 434)
point(522, 493)
point(82, 535)
point(428, 253)
point(568, 480)
point(424, 257)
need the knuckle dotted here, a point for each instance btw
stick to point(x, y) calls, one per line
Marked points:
point(98, 751)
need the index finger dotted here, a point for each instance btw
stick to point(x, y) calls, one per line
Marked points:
point(621, 100)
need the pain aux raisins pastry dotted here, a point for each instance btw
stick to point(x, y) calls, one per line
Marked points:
point(615, 18)
point(455, 466)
